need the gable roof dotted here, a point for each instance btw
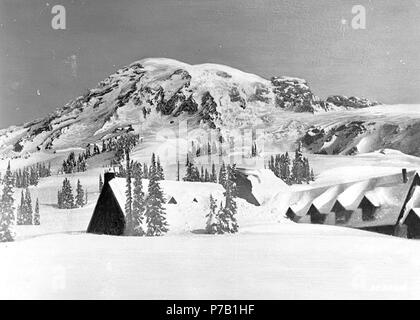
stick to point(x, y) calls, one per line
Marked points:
point(412, 204)
point(182, 191)
point(387, 193)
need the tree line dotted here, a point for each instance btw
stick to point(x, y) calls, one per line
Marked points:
point(292, 171)
point(29, 176)
point(67, 200)
point(145, 214)
point(25, 213)
point(222, 219)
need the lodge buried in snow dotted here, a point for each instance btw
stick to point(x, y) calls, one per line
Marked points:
point(387, 204)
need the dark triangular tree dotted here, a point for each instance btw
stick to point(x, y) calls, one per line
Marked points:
point(212, 218)
point(155, 212)
point(227, 216)
point(129, 225)
point(21, 212)
point(37, 219)
point(67, 198)
point(28, 206)
point(7, 215)
point(159, 170)
point(80, 195)
point(222, 175)
point(213, 176)
point(138, 201)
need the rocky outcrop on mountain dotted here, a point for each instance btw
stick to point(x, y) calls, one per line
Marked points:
point(350, 102)
point(157, 88)
point(294, 94)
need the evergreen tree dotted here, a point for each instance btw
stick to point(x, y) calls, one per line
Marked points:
point(67, 198)
point(213, 176)
point(159, 170)
point(28, 206)
point(222, 175)
point(177, 171)
point(37, 220)
point(80, 195)
point(206, 176)
point(129, 227)
point(138, 201)
point(59, 200)
point(86, 196)
point(101, 184)
point(212, 223)
point(21, 212)
point(155, 212)
point(7, 216)
point(227, 216)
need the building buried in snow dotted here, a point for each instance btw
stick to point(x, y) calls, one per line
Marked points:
point(388, 204)
point(109, 214)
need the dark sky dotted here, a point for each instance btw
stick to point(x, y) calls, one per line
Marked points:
point(42, 68)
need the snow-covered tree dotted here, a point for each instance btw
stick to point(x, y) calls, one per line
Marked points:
point(222, 175)
point(155, 211)
point(21, 212)
point(37, 219)
point(28, 207)
point(7, 215)
point(138, 201)
point(80, 195)
point(213, 175)
point(129, 225)
point(66, 195)
point(212, 224)
point(227, 216)
point(159, 170)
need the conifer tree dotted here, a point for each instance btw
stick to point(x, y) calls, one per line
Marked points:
point(67, 198)
point(28, 220)
point(159, 170)
point(155, 212)
point(129, 227)
point(227, 216)
point(37, 219)
point(80, 195)
point(213, 176)
point(222, 175)
point(7, 215)
point(59, 200)
point(138, 201)
point(212, 219)
point(21, 212)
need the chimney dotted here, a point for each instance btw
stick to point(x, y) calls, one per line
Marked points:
point(404, 175)
point(108, 176)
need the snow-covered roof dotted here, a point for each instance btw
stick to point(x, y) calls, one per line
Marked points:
point(183, 192)
point(416, 211)
point(265, 184)
point(326, 200)
point(387, 193)
point(350, 198)
point(413, 203)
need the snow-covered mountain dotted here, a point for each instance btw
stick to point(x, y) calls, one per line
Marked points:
point(156, 93)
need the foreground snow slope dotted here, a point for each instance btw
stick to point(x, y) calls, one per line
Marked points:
point(263, 262)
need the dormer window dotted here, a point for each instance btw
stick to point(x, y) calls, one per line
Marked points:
point(368, 209)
